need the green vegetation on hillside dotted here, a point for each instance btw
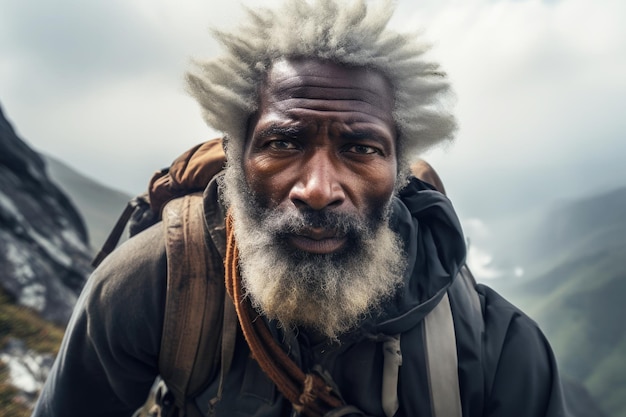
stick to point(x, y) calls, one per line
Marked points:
point(25, 324)
point(39, 335)
point(9, 405)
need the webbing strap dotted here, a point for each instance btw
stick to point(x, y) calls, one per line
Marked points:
point(442, 361)
point(116, 233)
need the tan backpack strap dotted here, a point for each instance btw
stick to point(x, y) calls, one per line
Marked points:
point(189, 344)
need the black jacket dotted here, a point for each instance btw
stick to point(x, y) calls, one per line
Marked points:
point(108, 359)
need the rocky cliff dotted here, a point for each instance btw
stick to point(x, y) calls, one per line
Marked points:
point(44, 256)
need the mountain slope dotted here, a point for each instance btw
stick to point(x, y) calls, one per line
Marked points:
point(575, 286)
point(44, 262)
point(100, 205)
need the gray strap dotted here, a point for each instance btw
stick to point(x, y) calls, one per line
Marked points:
point(442, 361)
point(392, 361)
point(469, 282)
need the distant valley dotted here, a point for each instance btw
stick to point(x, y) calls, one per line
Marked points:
point(574, 283)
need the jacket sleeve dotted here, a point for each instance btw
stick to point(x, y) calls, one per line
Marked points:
point(523, 379)
point(108, 358)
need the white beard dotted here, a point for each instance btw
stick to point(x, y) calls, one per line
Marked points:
point(329, 293)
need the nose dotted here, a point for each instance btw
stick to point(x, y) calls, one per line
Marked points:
point(319, 185)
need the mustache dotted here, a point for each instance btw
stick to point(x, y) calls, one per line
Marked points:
point(277, 223)
point(300, 221)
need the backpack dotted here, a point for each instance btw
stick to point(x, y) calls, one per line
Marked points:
point(174, 196)
point(189, 173)
point(191, 353)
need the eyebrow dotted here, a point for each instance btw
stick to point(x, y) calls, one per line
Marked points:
point(359, 134)
point(296, 132)
point(276, 130)
point(364, 134)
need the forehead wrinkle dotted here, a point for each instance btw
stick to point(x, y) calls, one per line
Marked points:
point(302, 81)
point(295, 85)
point(324, 93)
point(311, 90)
point(292, 106)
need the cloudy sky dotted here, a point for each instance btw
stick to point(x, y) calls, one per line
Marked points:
point(540, 85)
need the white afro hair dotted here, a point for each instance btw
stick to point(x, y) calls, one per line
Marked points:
point(351, 33)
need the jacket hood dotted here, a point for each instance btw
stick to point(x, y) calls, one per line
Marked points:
point(435, 249)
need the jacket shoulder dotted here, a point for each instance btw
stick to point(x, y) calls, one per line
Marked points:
point(108, 358)
point(520, 367)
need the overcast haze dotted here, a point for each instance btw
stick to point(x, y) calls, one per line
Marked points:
point(541, 88)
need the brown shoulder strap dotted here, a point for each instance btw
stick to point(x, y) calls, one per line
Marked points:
point(195, 298)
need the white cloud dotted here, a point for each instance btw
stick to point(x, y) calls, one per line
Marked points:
point(480, 263)
point(540, 92)
point(476, 228)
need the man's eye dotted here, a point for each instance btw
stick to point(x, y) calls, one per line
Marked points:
point(281, 145)
point(363, 149)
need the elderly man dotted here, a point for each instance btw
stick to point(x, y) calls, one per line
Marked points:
point(346, 273)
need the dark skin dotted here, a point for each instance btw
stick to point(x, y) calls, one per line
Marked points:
point(323, 138)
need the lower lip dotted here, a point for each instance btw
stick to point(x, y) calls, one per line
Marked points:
point(322, 246)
